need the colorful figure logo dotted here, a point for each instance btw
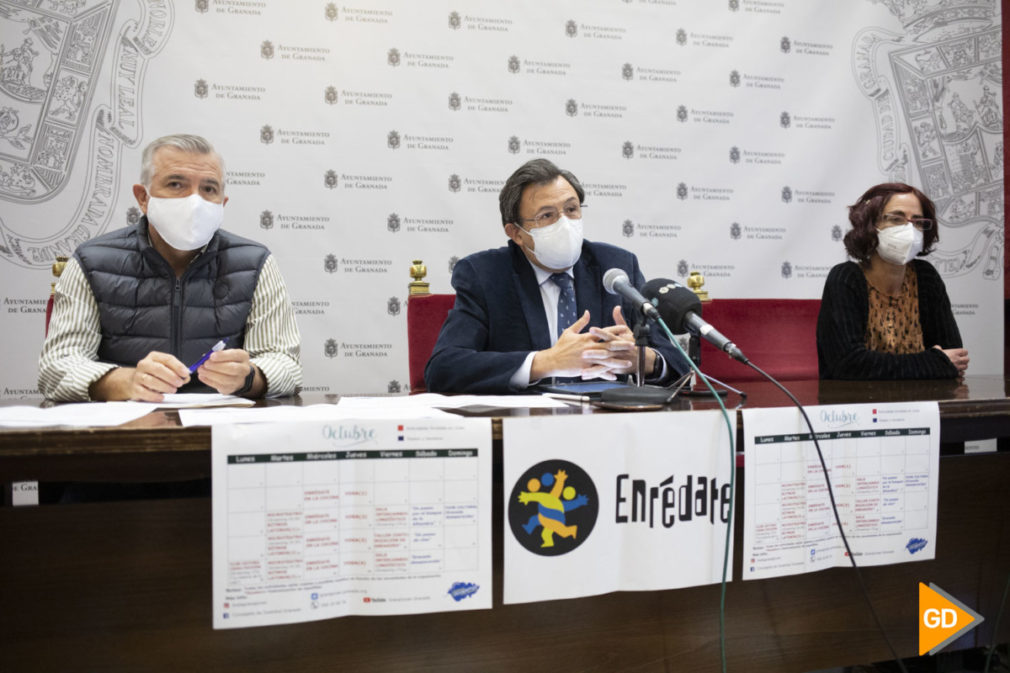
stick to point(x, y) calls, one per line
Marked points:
point(553, 508)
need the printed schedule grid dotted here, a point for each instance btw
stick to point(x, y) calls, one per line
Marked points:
point(881, 483)
point(318, 517)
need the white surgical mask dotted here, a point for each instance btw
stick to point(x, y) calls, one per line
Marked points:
point(559, 245)
point(899, 245)
point(185, 223)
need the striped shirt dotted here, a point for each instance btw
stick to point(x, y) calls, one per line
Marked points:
point(69, 362)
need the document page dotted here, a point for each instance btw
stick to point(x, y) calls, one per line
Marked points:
point(324, 519)
point(197, 400)
point(77, 415)
point(313, 412)
point(883, 461)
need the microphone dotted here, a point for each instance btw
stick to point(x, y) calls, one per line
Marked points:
point(641, 396)
point(681, 310)
point(615, 281)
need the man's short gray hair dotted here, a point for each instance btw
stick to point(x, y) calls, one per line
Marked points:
point(533, 172)
point(182, 141)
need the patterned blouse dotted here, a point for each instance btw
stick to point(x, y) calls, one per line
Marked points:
point(893, 324)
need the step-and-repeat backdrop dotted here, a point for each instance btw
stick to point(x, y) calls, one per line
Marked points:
point(720, 136)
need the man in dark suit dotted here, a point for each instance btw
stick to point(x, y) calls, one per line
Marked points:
point(521, 310)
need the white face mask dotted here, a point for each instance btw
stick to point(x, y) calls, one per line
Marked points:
point(559, 245)
point(899, 245)
point(185, 223)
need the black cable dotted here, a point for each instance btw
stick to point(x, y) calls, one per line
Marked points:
point(834, 509)
point(727, 562)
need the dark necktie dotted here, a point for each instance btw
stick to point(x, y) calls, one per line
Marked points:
point(566, 301)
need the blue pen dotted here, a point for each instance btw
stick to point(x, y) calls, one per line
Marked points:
point(203, 358)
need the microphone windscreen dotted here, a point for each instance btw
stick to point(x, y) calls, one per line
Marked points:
point(673, 301)
point(611, 277)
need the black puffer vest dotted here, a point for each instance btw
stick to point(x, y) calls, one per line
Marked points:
point(143, 307)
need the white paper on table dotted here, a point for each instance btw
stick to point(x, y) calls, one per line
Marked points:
point(435, 400)
point(883, 461)
point(81, 415)
point(600, 536)
point(313, 412)
point(324, 519)
point(504, 402)
point(197, 400)
point(424, 400)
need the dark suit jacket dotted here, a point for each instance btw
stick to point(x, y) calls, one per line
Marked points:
point(498, 317)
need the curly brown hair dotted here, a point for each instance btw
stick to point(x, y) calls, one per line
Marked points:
point(861, 240)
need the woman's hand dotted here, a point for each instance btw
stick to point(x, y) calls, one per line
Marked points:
point(957, 356)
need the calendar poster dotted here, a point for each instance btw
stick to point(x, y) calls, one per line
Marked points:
point(883, 462)
point(315, 520)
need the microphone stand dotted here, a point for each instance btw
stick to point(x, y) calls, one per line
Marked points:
point(694, 348)
point(694, 352)
point(641, 333)
point(705, 392)
point(639, 396)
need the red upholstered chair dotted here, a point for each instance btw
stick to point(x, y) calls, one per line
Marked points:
point(425, 314)
point(777, 335)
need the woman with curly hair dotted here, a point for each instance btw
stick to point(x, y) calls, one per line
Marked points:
point(886, 315)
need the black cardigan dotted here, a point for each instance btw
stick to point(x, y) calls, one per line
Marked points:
point(841, 329)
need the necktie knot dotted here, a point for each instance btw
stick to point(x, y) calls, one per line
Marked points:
point(562, 280)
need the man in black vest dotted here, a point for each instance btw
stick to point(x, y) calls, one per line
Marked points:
point(136, 309)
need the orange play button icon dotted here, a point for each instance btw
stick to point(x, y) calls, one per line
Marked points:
point(942, 619)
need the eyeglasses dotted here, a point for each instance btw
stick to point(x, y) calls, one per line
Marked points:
point(552, 215)
point(898, 219)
